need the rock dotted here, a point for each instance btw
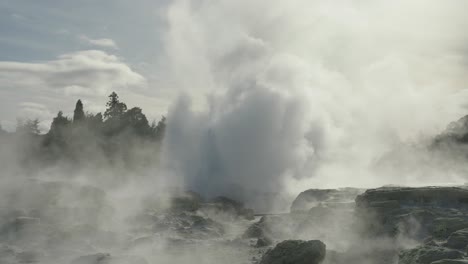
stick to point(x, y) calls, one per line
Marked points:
point(263, 242)
point(29, 257)
point(256, 230)
point(414, 212)
point(188, 201)
point(427, 255)
point(458, 240)
point(272, 226)
point(429, 241)
point(226, 205)
point(450, 261)
point(21, 228)
point(448, 197)
point(127, 260)
point(443, 227)
point(99, 258)
point(296, 252)
point(332, 197)
point(188, 225)
point(105, 258)
point(207, 225)
point(7, 254)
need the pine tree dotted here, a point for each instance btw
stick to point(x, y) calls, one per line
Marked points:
point(58, 123)
point(115, 108)
point(78, 114)
point(159, 129)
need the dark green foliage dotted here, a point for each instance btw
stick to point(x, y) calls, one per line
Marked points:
point(120, 135)
point(115, 108)
point(57, 135)
point(136, 121)
point(78, 114)
point(95, 122)
point(59, 123)
point(159, 129)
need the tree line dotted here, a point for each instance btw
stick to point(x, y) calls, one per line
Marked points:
point(115, 135)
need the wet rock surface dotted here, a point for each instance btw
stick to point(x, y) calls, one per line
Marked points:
point(105, 258)
point(428, 255)
point(434, 219)
point(329, 197)
point(458, 239)
point(296, 252)
point(385, 225)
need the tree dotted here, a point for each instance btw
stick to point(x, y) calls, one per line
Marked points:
point(57, 135)
point(159, 129)
point(137, 121)
point(30, 127)
point(94, 121)
point(78, 114)
point(59, 122)
point(115, 108)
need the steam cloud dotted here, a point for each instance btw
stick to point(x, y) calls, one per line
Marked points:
point(308, 93)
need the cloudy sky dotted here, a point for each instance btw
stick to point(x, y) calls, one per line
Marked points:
point(54, 52)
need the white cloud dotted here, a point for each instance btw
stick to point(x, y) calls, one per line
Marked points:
point(91, 70)
point(102, 42)
point(89, 74)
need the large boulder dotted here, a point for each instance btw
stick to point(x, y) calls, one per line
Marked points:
point(458, 240)
point(443, 227)
point(296, 252)
point(331, 197)
point(414, 212)
point(449, 197)
point(428, 254)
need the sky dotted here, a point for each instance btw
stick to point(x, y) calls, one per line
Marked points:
point(53, 53)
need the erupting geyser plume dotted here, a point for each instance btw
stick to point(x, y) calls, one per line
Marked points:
point(310, 92)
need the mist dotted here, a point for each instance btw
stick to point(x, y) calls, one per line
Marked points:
point(275, 108)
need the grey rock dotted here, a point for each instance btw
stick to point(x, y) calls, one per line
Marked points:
point(105, 258)
point(458, 239)
point(450, 261)
point(428, 255)
point(296, 252)
point(331, 197)
point(453, 197)
point(263, 242)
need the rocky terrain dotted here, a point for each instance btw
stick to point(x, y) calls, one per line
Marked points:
point(56, 222)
